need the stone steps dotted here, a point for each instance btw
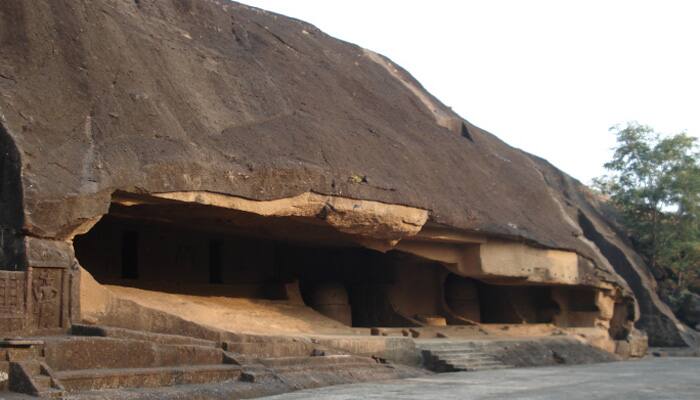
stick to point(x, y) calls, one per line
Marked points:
point(46, 389)
point(316, 362)
point(98, 358)
point(105, 360)
point(98, 379)
point(474, 357)
point(272, 348)
point(122, 333)
point(470, 360)
point(466, 356)
point(34, 377)
point(457, 356)
point(466, 366)
point(96, 352)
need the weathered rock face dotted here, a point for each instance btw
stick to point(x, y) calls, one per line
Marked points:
point(690, 310)
point(600, 231)
point(215, 96)
point(176, 97)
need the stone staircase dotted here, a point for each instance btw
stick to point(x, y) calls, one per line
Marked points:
point(302, 361)
point(96, 362)
point(452, 356)
point(37, 379)
point(100, 379)
point(97, 359)
point(26, 367)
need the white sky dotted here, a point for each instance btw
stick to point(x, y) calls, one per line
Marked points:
point(549, 77)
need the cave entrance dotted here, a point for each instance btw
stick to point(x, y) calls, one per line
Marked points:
point(517, 304)
point(479, 301)
point(509, 303)
point(200, 251)
point(195, 250)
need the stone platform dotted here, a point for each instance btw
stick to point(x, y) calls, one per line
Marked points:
point(96, 362)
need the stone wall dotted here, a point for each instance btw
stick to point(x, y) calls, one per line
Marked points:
point(41, 299)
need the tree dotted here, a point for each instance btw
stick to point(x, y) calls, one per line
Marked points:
point(654, 182)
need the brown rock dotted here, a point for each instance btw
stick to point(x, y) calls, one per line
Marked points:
point(273, 109)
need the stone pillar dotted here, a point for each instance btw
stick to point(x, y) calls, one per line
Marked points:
point(331, 300)
point(462, 296)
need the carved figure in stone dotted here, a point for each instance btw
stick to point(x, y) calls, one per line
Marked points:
point(45, 295)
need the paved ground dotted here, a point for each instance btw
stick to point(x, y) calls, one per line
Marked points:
point(651, 379)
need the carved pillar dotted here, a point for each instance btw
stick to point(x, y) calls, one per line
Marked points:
point(50, 279)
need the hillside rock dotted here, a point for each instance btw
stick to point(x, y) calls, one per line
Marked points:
point(105, 96)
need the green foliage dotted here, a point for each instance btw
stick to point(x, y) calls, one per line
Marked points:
point(654, 182)
point(677, 299)
point(355, 178)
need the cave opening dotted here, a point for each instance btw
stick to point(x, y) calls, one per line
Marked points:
point(500, 301)
point(503, 304)
point(488, 303)
point(197, 250)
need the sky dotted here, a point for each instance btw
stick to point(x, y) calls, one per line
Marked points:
point(549, 77)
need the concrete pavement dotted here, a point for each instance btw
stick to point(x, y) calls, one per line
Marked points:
point(650, 379)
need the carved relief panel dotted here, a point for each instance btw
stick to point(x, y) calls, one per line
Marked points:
point(47, 298)
point(12, 301)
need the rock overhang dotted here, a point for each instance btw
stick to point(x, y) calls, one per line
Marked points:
point(107, 147)
point(338, 221)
